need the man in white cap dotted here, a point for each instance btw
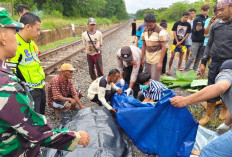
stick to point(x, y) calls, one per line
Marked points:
point(62, 94)
point(92, 40)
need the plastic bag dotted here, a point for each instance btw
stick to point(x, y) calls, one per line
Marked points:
point(162, 130)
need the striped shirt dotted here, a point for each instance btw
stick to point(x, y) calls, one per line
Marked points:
point(154, 91)
point(153, 46)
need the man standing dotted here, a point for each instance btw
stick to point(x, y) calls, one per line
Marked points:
point(26, 62)
point(128, 59)
point(179, 39)
point(103, 88)
point(61, 90)
point(222, 145)
point(23, 130)
point(92, 40)
point(188, 41)
point(198, 38)
point(154, 45)
point(139, 32)
point(219, 48)
point(21, 10)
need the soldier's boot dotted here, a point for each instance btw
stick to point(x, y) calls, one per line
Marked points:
point(209, 113)
point(223, 112)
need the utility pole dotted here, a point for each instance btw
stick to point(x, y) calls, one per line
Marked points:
point(12, 8)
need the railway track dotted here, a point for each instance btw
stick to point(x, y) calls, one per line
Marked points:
point(53, 59)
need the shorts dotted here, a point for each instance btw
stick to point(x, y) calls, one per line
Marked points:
point(180, 50)
point(188, 47)
point(59, 104)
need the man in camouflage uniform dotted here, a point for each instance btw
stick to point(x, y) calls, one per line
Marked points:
point(22, 130)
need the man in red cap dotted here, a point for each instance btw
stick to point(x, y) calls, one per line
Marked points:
point(62, 94)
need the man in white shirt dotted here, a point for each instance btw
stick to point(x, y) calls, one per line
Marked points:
point(103, 88)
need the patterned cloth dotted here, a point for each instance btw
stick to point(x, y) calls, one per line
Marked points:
point(58, 88)
point(154, 91)
point(22, 130)
point(153, 46)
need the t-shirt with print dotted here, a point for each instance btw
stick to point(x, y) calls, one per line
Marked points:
point(226, 75)
point(181, 28)
point(153, 46)
point(97, 41)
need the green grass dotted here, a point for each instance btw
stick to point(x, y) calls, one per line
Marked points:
point(53, 22)
point(57, 43)
point(49, 22)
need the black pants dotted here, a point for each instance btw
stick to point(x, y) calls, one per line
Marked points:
point(39, 97)
point(127, 76)
point(109, 94)
point(214, 69)
point(165, 62)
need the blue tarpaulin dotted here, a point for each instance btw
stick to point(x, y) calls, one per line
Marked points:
point(161, 129)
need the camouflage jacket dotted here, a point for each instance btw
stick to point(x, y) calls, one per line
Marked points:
point(22, 130)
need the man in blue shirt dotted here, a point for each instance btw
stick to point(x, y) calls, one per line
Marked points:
point(139, 42)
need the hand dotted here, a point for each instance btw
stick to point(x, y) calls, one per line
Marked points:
point(142, 62)
point(98, 48)
point(223, 126)
point(84, 138)
point(198, 28)
point(122, 82)
point(67, 106)
point(178, 44)
point(128, 91)
point(72, 101)
point(179, 101)
point(159, 67)
point(202, 70)
point(81, 106)
point(212, 19)
point(113, 110)
point(119, 91)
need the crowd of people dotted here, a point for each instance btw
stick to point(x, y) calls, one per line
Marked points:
point(22, 83)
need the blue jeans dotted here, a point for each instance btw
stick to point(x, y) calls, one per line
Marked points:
point(220, 147)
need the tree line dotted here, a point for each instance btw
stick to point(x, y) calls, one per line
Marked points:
point(77, 8)
point(174, 12)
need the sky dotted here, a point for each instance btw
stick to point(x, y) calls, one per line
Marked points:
point(134, 5)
